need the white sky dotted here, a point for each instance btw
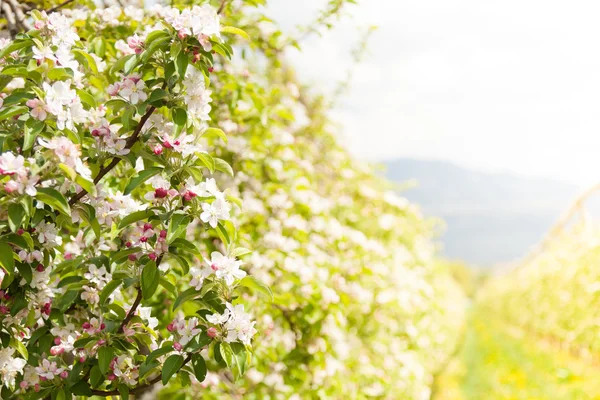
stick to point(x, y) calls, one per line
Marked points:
point(501, 85)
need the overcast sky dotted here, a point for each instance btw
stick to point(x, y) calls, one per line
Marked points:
point(500, 85)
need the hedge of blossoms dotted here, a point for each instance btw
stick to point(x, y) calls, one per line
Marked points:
point(104, 166)
point(361, 308)
point(564, 276)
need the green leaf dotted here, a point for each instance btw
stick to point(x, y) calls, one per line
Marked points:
point(87, 98)
point(150, 279)
point(20, 347)
point(165, 349)
point(86, 59)
point(96, 377)
point(135, 217)
point(12, 111)
point(222, 232)
point(157, 96)
point(171, 366)
point(70, 172)
point(123, 391)
point(7, 260)
point(199, 367)
point(207, 160)
point(256, 285)
point(215, 132)
point(55, 199)
point(86, 184)
point(179, 116)
point(108, 289)
point(59, 74)
point(105, 356)
point(223, 166)
point(33, 128)
point(140, 178)
point(185, 296)
point(181, 63)
point(240, 252)
point(17, 97)
point(16, 215)
point(235, 31)
point(82, 388)
point(16, 45)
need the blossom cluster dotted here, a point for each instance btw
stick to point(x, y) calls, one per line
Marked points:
point(105, 168)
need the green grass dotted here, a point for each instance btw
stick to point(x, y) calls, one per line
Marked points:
point(496, 362)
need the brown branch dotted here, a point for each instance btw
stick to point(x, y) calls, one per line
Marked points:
point(59, 6)
point(136, 303)
point(222, 7)
point(138, 388)
point(129, 144)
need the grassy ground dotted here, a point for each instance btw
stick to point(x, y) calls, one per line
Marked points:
point(496, 362)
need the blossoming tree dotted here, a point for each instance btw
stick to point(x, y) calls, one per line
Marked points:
point(105, 167)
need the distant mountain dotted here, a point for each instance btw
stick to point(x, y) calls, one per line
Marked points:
point(491, 218)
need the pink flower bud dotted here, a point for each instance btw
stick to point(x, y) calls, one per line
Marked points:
point(64, 374)
point(39, 24)
point(102, 326)
point(20, 231)
point(143, 239)
point(23, 384)
point(148, 226)
point(189, 195)
point(111, 377)
point(57, 341)
point(212, 332)
point(170, 327)
point(160, 193)
point(157, 150)
point(163, 233)
point(128, 244)
point(152, 256)
point(214, 267)
point(10, 186)
point(39, 268)
point(132, 257)
point(43, 378)
point(86, 325)
point(36, 388)
point(55, 350)
point(211, 69)
point(82, 359)
point(101, 342)
point(182, 34)
point(177, 346)
point(3, 309)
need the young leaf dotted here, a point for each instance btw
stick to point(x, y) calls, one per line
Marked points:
point(140, 178)
point(55, 199)
point(199, 367)
point(171, 366)
point(16, 214)
point(105, 356)
point(150, 279)
point(254, 284)
point(235, 31)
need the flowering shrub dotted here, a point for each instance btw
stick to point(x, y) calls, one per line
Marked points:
point(563, 276)
point(142, 267)
point(104, 169)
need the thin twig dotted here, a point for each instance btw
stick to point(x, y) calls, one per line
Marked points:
point(222, 7)
point(58, 7)
point(129, 144)
point(136, 303)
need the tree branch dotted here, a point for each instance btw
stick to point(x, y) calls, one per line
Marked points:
point(129, 144)
point(136, 303)
point(59, 6)
point(222, 7)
